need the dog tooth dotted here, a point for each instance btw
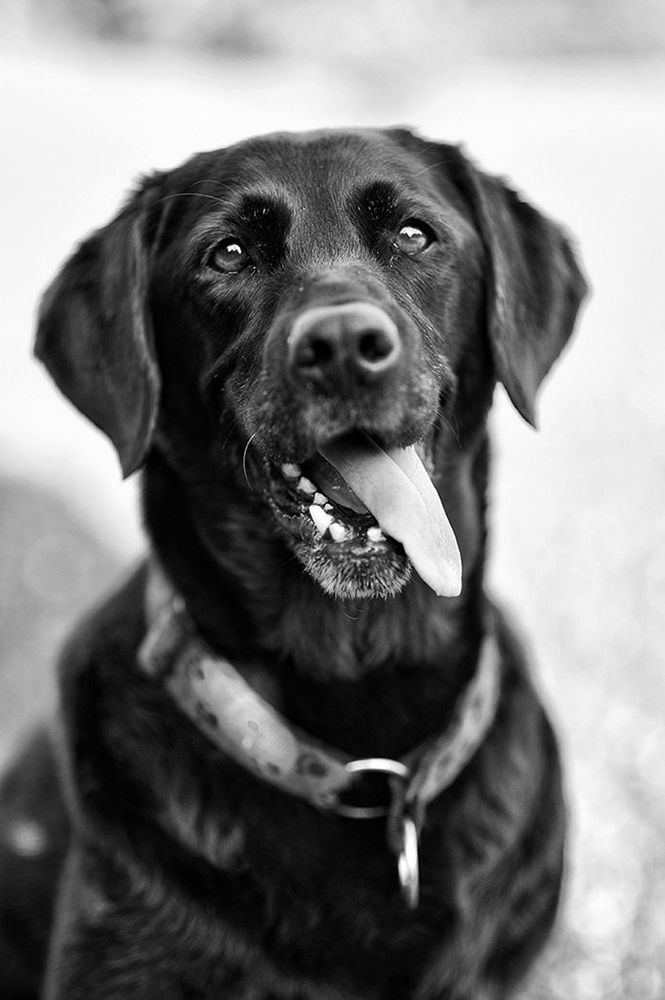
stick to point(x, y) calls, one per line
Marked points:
point(306, 485)
point(375, 534)
point(291, 471)
point(321, 519)
point(320, 499)
point(337, 531)
point(328, 507)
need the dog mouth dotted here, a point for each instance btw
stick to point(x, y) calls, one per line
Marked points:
point(361, 517)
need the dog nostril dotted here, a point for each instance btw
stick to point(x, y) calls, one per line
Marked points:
point(375, 346)
point(314, 352)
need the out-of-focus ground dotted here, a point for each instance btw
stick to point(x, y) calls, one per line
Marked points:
point(578, 509)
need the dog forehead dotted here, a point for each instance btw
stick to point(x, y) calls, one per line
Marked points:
point(304, 166)
point(325, 152)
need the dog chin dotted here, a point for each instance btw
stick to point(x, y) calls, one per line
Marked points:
point(376, 576)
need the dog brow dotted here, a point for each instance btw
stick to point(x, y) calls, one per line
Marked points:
point(378, 199)
point(267, 217)
point(260, 211)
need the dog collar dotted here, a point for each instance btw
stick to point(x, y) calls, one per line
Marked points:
point(238, 720)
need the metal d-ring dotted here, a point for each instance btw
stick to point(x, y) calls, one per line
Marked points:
point(372, 765)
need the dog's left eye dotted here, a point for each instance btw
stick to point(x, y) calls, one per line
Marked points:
point(414, 237)
point(229, 256)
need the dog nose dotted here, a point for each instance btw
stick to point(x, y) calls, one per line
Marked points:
point(341, 345)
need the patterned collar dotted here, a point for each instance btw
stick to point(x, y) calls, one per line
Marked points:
point(235, 718)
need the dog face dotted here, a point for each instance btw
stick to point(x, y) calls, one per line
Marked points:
point(312, 314)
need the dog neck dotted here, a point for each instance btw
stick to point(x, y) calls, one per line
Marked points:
point(231, 714)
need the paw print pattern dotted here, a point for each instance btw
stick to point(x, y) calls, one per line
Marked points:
point(311, 765)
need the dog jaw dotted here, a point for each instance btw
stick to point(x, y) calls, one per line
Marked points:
point(364, 576)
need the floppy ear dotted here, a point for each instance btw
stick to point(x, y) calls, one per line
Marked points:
point(536, 285)
point(95, 338)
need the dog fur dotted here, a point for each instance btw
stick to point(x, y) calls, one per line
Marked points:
point(170, 871)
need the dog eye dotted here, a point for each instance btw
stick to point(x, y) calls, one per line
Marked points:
point(229, 256)
point(414, 237)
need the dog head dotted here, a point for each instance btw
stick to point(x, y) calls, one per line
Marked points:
point(323, 315)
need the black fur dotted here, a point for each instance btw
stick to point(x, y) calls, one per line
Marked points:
point(185, 876)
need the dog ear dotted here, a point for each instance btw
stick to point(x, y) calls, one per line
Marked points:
point(94, 334)
point(536, 285)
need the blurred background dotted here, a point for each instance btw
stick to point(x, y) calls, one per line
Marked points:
point(565, 97)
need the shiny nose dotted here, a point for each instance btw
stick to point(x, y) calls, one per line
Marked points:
point(342, 346)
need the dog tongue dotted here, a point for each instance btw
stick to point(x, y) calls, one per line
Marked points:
point(395, 487)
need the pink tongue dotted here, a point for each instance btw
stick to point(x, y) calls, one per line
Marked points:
point(395, 487)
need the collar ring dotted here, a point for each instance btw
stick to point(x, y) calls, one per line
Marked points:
point(394, 770)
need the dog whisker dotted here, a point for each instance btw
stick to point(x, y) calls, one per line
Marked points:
point(244, 460)
point(189, 194)
point(291, 558)
point(432, 166)
point(227, 438)
point(454, 428)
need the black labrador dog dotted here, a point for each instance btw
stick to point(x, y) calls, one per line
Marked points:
point(299, 754)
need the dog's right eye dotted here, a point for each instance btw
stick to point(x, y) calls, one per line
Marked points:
point(229, 256)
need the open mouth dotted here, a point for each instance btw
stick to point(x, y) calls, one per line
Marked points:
point(361, 517)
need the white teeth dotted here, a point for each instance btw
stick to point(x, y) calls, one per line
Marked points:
point(337, 531)
point(375, 534)
point(328, 507)
point(326, 524)
point(321, 519)
point(320, 499)
point(291, 471)
point(305, 485)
